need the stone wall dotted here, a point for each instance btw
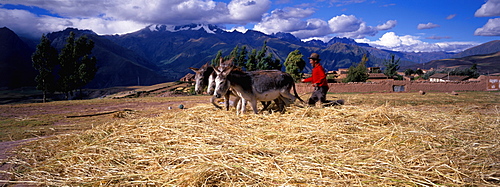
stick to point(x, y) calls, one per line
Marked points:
point(407, 86)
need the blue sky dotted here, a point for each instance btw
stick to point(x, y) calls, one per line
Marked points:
point(401, 25)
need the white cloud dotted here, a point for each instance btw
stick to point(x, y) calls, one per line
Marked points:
point(427, 26)
point(121, 16)
point(362, 32)
point(291, 20)
point(26, 23)
point(247, 10)
point(492, 28)
point(387, 25)
point(365, 30)
point(391, 41)
point(241, 29)
point(489, 9)
point(344, 23)
point(314, 28)
point(286, 20)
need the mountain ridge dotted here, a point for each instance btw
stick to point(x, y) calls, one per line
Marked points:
point(160, 53)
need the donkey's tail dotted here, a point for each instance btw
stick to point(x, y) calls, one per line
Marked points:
point(297, 95)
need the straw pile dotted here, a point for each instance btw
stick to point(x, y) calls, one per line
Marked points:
point(336, 146)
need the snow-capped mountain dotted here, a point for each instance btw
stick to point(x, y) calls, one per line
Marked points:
point(211, 29)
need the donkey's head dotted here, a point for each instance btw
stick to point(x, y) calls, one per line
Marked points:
point(221, 82)
point(201, 77)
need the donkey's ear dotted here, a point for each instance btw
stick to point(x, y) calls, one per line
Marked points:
point(227, 70)
point(217, 71)
point(194, 69)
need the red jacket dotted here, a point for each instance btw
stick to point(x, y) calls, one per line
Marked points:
point(318, 77)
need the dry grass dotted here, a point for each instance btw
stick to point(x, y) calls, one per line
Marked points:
point(363, 143)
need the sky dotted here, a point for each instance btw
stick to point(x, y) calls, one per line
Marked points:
point(399, 25)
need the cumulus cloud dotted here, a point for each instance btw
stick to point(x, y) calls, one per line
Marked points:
point(314, 28)
point(120, 16)
point(247, 10)
point(241, 29)
point(291, 20)
point(387, 25)
point(344, 23)
point(26, 23)
point(492, 28)
point(427, 26)
point(489, 9)
point(286, 20)
point(365, 30)
point(391, 41)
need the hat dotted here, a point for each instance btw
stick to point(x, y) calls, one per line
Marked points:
point(315, 56)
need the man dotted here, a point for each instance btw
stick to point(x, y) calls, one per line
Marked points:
point(318, 80)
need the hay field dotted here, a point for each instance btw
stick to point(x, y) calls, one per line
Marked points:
point(399, 139)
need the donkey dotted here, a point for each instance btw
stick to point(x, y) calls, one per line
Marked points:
point(263, 85)
point(205, 76)
point(201, 77)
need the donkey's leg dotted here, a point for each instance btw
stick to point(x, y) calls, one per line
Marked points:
point(212, 100)
point(226, 100)
point(253, 102)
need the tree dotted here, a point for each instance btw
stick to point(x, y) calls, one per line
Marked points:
point(251, 64)
point(239, 56)
point(86, 64)
point(77, 67)
point(242, 57)
point(256, 60)
point(294, 64)
point(358, 73)
point(409, 72)
point(265, 60)
point(391, 67)
point(419, 72)
point(470, 72)
point(45, 61)
point(273, 63)
point(216, 60)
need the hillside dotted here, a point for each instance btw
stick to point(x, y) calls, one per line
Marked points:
point(117, 65)
point(16, 68)
point(486, 48)
point(174, 49)
point(486, 64)
point(162, 53)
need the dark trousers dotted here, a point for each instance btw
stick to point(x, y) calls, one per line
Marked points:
point(319, 94)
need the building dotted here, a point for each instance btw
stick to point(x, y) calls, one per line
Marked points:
point(443, 77)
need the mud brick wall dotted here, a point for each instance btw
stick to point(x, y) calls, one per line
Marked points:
point(445, 86)
point(409, 86)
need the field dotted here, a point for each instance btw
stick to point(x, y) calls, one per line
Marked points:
point(382, 139)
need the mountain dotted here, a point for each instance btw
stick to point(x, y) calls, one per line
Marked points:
point(16, 68)
point(162, 53)
point(175, 48)
point(486, 56)
point(486, 48)
point(486, 64)
point(117, 66)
